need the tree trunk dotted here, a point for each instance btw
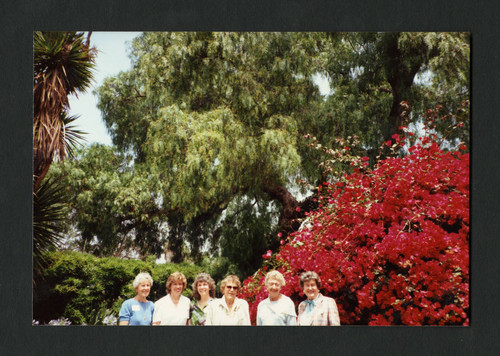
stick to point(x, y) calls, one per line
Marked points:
point(401, 70)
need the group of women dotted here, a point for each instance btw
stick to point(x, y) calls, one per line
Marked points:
point(205, 309)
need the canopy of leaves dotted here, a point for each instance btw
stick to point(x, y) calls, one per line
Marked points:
point(111, 200)
point(372, 73)
point(217, 119)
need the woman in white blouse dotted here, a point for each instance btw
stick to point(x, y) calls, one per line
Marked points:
point(228, 310)
point(173, 309)
point(277, 309)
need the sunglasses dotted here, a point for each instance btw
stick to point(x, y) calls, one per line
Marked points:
point(231, 287)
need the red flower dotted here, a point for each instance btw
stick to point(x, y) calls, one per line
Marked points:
point(365, 158)
point(391, 246)
point(267, 255)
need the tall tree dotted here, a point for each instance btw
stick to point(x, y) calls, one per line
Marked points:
point(110, 200)
point(215, 115)
point(219, 118)
point(62, 65)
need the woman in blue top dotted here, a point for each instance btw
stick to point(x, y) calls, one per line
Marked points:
point(138, 310)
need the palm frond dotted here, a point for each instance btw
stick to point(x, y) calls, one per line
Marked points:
point(62, 66)
point(49, 212)
point(70, 136)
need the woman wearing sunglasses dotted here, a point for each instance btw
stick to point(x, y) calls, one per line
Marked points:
point(228, 310)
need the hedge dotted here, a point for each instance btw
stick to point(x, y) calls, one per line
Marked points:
point(85, 289)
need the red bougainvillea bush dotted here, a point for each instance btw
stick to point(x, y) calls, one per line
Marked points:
point(391, 245)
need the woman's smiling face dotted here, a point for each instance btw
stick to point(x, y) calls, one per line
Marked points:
point(143, 289)
point(203, 288)
point(311, 289)
point(176, 288)
point(230, 291)
point(273, 287)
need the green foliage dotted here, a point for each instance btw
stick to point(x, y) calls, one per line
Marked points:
point(247, 234)
point(86, 289)
point(111, 199)
point(214, 119)
point(49, 215)
point(372, 73)
point(62, 65)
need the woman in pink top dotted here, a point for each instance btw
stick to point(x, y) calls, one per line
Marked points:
point(316, 310)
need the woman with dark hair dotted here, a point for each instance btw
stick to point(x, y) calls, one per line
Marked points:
point(203, 293)
point(317, 309)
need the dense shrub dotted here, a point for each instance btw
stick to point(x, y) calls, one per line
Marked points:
point(85, 289)
point(391, 244)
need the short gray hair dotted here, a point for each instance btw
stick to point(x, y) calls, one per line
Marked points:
point(275, 275)
point(142, 277)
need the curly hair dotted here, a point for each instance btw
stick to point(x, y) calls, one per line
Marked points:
point(203, 277)
point(141, 278)
point(307, 276)
point(174, 277)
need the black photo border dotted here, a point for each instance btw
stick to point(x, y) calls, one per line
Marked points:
point(21, 18)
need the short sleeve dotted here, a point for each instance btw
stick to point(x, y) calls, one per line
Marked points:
point(125, 312)
point(152, 307)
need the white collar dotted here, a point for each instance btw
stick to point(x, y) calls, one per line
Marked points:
point(222, 302)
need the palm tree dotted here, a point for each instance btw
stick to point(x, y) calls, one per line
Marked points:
point(63, 63)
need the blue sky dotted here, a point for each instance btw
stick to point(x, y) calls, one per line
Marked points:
point(112, 58)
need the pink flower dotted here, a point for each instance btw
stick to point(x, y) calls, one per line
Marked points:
point(267, 255)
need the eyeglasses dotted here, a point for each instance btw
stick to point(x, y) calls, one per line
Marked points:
point(231, 287)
